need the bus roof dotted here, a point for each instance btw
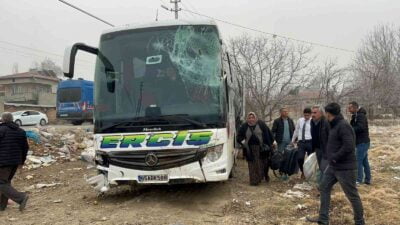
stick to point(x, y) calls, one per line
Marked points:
point(74, 83)
point(164, 23)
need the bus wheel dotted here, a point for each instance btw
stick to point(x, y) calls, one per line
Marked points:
point(232, 173)
point(77, 122)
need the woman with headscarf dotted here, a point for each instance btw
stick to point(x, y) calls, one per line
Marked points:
point(256, 139)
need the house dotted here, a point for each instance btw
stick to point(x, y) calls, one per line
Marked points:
point(33, 87)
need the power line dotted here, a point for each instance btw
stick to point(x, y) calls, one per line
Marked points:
point(34, 56)
point(85, 12)
point(36, 50)
point(271, 34)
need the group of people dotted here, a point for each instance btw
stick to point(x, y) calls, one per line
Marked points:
point(341, 150)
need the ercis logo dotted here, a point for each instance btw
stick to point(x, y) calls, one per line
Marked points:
point(157, 140)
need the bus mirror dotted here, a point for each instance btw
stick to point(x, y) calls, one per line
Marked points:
point(111, 77)
point(70, 54)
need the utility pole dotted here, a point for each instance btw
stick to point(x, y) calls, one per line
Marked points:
point(176, 8)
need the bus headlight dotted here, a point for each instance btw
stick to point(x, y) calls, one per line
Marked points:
point(214, 153)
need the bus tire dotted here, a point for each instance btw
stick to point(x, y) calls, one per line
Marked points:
point(77, 122)
point(232, 174)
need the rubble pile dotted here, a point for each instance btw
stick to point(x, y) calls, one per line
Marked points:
point(58, 145)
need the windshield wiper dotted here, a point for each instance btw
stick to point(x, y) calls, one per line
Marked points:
point(167, 118)
point(185, 117)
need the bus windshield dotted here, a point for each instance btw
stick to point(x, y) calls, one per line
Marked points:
point(69, 95)
point(174, 71)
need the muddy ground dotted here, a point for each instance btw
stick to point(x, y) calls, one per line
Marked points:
point(232, 202)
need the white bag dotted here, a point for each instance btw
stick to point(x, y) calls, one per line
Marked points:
point(310, 166)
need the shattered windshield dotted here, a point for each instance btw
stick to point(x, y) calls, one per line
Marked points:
point(173, 70)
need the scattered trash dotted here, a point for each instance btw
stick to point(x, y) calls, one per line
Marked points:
point(49, 145)
point(397, 168)
point(29, 177)
point(39, 186)
point(57, 201)
point(396, 178)
point(247, 203)
point(295, 194)
point(301, 207)
point(12, 219)
point(33, 136)
point(382, 157)
point(303, 187)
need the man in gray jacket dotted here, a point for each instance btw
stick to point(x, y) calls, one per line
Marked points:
point(342, 166)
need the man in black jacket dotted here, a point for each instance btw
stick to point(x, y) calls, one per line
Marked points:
point(283, 129)
point(13, 150)
point(342, 166)
point(320, 134)
point(359, 122)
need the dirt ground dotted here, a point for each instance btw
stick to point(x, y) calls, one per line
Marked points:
point(232, 202)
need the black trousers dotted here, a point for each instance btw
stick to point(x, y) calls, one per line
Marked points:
point(6, 190)
point(347, 180)
point(303, 148)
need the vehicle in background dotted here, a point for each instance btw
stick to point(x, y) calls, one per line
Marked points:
point(75, 101)
point(30, 117)
point(166, 104)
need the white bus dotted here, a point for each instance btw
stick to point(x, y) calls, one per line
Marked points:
point(165, 106)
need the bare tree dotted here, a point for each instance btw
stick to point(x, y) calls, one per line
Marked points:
point(377, 68)
point(270, 68)
point(333, 82)
point(48, 65)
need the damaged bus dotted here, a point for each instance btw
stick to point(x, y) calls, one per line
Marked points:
point(166, 108)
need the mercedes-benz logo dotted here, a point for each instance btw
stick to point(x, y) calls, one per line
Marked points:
point(151, 159)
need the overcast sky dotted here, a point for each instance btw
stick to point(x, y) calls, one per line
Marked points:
point(50, 26)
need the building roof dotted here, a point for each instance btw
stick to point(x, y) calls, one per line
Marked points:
point(31, 74)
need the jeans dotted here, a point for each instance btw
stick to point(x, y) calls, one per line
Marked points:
point(347, 180)
point(6, 190)
point(363, 163)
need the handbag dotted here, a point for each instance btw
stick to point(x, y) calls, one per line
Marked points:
point(276, 160)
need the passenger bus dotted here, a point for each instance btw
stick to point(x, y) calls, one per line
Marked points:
point(75, 101)
point(165, 104)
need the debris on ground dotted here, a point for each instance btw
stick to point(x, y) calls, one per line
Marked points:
point(303, 187)
point(396, 168)
point(295, 194)
point(49, 145)
point(39, 186)
point(301, 207)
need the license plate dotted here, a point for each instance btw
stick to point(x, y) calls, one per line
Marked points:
point(63, 115)
point(153, 178)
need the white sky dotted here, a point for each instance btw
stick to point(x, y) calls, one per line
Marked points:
point(50, 26)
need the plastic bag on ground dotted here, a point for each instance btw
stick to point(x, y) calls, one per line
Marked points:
point(310, 166)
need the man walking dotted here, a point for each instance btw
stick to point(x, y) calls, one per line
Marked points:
point(342, 166)
point(359, 122)
point(282, 129)
point(303, 135)
point(13, 150)
point(319, 134)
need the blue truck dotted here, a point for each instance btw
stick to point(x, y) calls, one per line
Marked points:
point(75, 101)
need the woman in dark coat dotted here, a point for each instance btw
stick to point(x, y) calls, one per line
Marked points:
point(254, 135)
